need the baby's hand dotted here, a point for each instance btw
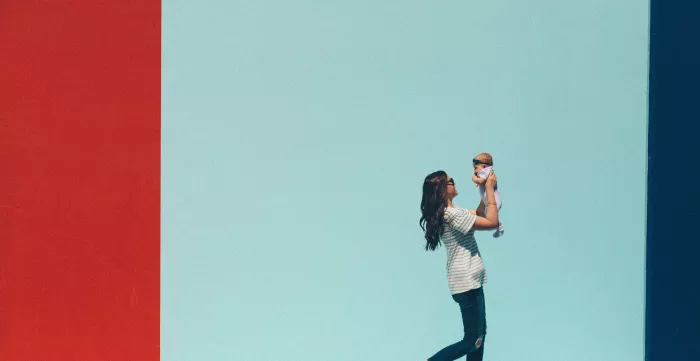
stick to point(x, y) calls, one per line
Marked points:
point(478, 180)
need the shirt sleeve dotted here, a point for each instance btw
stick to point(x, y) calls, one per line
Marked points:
point(459, 219)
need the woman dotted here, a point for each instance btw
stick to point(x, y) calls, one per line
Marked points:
point(453, 226)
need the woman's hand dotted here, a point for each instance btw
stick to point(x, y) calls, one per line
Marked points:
point(491, 180)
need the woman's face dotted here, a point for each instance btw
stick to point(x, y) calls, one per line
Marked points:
point(451, 188)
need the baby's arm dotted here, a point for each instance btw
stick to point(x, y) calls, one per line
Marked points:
point(477, 180)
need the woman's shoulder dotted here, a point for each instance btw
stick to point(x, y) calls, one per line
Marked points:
point(460, 220)
point(454, 211)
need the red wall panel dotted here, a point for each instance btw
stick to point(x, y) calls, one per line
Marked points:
point(79, 180)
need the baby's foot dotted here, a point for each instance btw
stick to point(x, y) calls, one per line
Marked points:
point(499, 231)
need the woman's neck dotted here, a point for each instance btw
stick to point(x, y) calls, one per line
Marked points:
point(449, 203)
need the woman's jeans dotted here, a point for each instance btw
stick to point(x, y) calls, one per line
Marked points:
point(471, 303)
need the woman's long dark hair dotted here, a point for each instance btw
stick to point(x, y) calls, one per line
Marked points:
point(432, 207)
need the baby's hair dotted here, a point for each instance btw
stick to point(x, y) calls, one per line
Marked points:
point(485, 158)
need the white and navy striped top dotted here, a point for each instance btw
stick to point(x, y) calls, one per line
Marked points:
point(465, 268)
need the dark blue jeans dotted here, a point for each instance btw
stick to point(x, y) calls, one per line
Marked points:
point(473, 308)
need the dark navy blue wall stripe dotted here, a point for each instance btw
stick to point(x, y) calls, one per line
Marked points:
point(673, 193)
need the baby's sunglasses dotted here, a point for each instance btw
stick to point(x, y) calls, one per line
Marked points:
point(476, 161)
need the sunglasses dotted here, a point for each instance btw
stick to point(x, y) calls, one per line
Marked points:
point(451, 181)
point(476, 161)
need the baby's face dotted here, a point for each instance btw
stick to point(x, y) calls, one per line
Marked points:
point(478, 167)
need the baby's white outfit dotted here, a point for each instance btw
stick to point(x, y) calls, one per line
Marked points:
point(484, 173)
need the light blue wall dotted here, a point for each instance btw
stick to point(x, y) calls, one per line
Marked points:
point(296, 136)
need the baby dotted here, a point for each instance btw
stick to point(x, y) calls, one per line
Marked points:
point(483, 164)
